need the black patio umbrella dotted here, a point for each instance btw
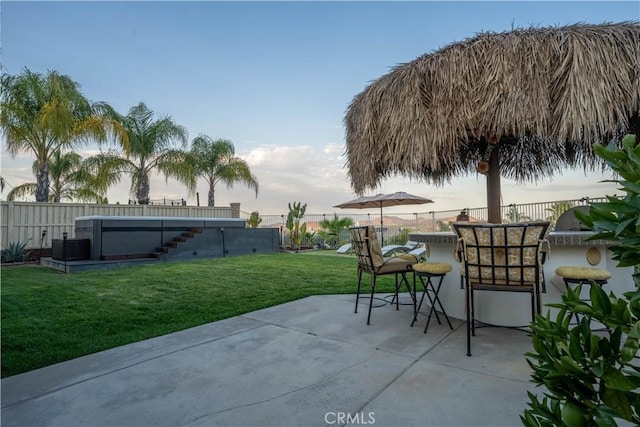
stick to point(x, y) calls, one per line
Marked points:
point(383, 200)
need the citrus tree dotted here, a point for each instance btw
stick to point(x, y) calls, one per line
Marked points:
point(593, 378)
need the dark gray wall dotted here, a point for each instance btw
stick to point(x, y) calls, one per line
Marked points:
point(127, 237)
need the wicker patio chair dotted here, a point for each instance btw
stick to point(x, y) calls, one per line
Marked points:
point(500, 257)
point(370, 260)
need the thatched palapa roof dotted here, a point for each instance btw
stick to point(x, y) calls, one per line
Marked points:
point(547, 94)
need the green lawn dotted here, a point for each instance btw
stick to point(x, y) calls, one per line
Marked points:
point(49, 317)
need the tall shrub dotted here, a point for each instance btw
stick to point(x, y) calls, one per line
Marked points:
point(590, 378)
point(296, 227)
point(254, 220)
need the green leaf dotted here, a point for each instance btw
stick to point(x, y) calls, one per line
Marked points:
point(582, 308)
point(599, 299)
point(605, 348)
point(575, 349)
point(632, 241)
point(630, 349)
point(623, 225)
point(584, 218)
point(629, 141)
point(617, 400)
point(571, 365)
point(594, 352)
point(630, 187)
point(616, 380)
point(634, 155)
point(597, 370)
point(604, 419)
point(605, 225)
point(602, 211)
point(613, 205)
point(635, 330)
point(616, 337)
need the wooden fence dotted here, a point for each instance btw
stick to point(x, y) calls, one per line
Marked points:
point(25, 222)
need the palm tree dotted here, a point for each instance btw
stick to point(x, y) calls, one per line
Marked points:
point(215, 161)
point(514, 216)
point(331, 228)
point(557, 209)
point(150, 148)
point(69, 180)
point(44, 113)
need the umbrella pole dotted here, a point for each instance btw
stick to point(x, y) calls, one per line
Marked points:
point(493, 189)
point(381, 226)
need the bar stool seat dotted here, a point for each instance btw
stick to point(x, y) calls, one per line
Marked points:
point(578, 275)
point(426, 272)
point(575, 274)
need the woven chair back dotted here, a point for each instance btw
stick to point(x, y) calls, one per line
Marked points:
point(367, 248)
point(502, 255)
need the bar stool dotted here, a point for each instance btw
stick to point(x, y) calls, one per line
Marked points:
point(426, 272)
point(573, 275)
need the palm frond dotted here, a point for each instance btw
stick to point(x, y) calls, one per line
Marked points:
point(175, 164)
point(22, 192)
point(237, 170)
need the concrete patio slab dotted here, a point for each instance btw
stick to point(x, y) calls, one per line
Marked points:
point(311, 362)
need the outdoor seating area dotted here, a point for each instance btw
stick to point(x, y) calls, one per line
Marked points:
point(495, 259)
point(492, 257)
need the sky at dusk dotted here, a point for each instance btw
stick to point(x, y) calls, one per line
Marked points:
point(275, 78)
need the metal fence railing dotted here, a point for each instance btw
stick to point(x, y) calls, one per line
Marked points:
point(164, 202)
point(396, 223)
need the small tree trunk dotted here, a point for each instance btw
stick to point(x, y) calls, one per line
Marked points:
point(42, 188)
point(211, 197)
point(142, 192)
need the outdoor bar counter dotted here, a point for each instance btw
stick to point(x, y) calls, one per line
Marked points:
point(511, 308)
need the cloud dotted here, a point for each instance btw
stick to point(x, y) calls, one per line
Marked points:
point(294, 173)
point(285, 174)
point(317, 176)
point(308, 175)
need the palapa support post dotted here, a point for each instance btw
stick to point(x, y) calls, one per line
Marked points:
point(493, 189)
point(490, 166)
